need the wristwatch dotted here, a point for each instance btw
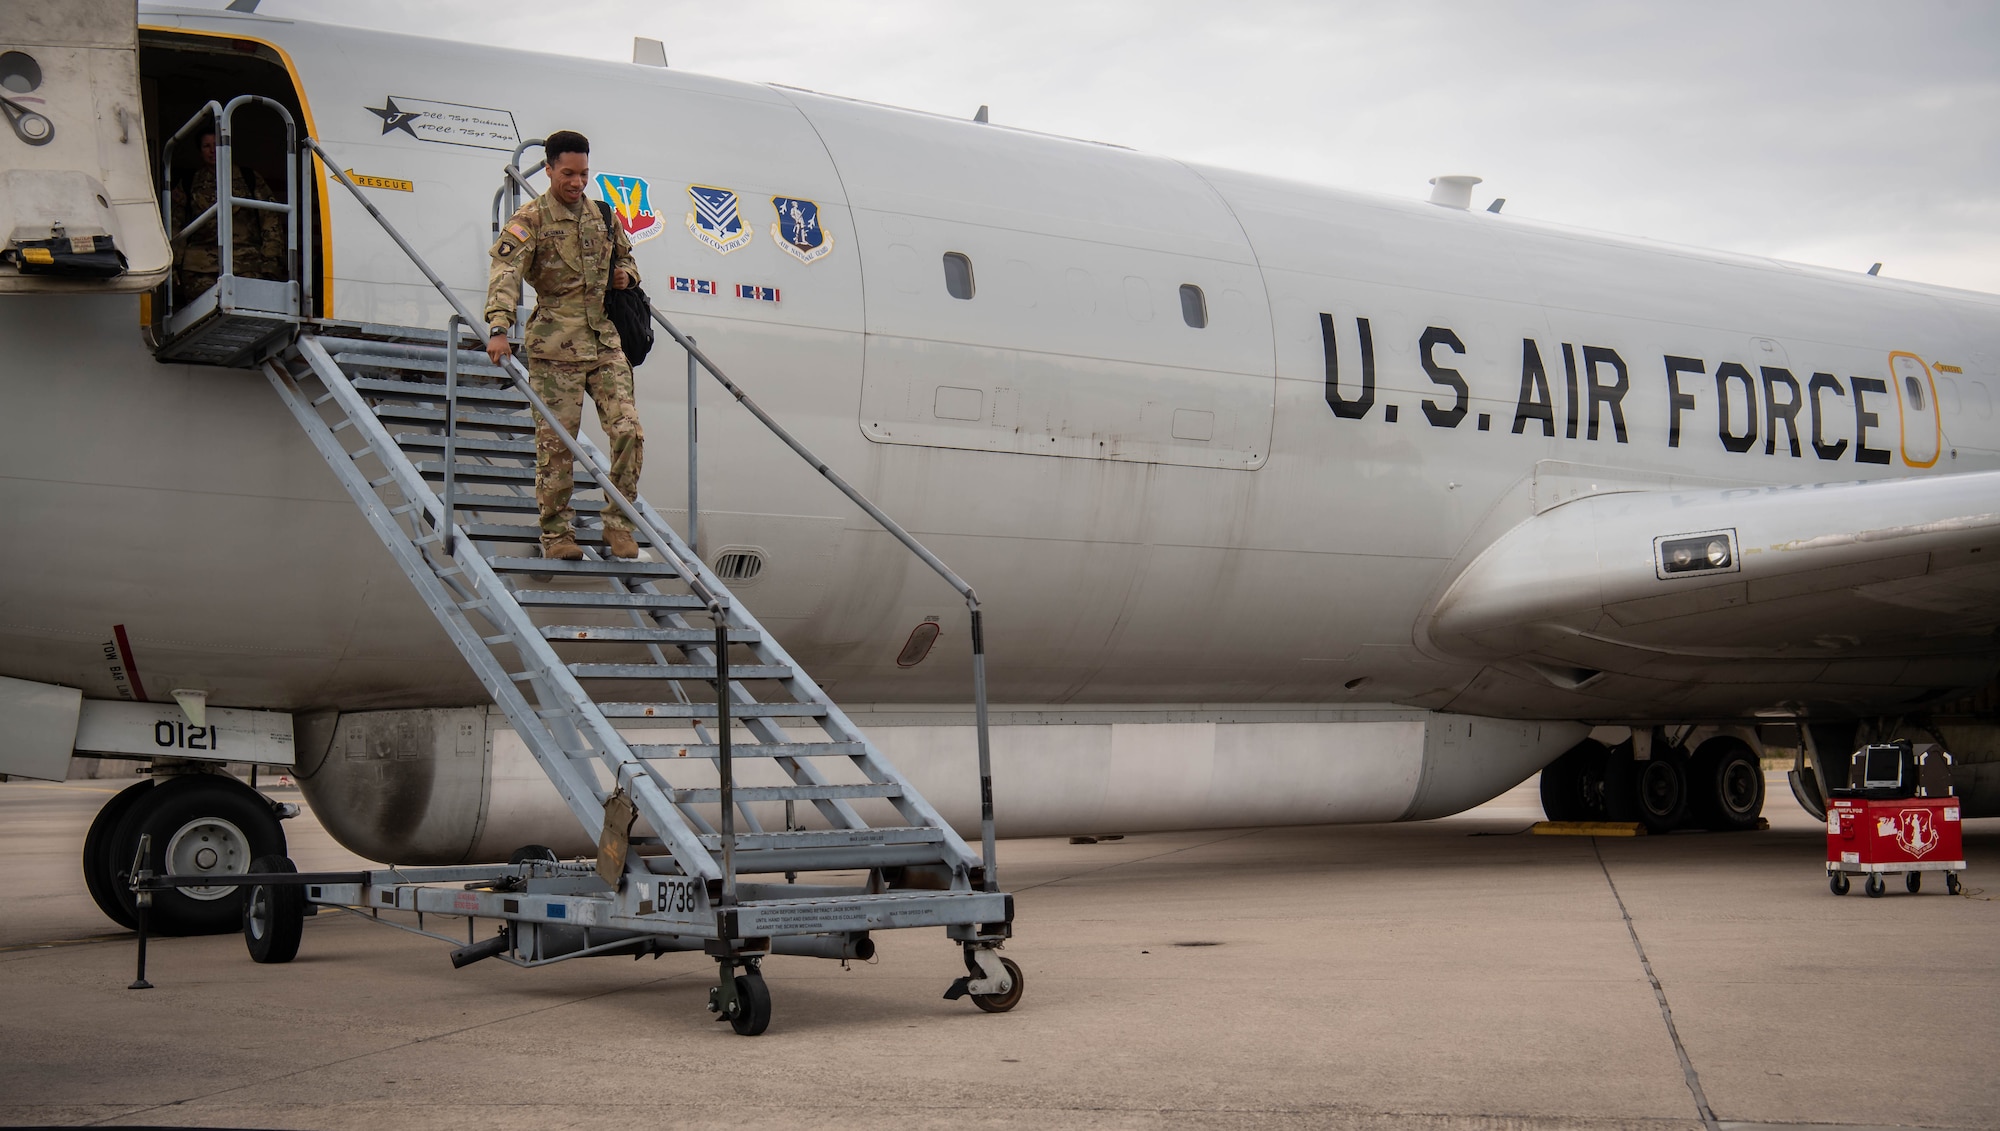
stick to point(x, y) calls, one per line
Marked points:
point(496, 331)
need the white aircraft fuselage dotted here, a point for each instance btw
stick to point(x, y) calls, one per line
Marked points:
point(1197, 437)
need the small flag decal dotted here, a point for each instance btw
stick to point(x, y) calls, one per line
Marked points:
point(689, 286)
point(759, 294)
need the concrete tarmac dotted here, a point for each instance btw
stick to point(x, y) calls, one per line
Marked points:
point(1443, 975)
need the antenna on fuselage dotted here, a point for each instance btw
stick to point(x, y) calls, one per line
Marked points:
point(1875, 270)
point(247, 7)
point(1499, 202)
point(980, 117)
point(648, 52)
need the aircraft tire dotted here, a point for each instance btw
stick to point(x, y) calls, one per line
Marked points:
point(103, 875)
point(1726, 785)
point(1573, 785)
point(198, 822)
point(1660, 792)
point(274, 916)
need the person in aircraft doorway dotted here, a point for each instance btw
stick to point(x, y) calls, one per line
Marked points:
point(258, 235)
point(563, 246)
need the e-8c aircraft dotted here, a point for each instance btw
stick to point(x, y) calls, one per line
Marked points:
point(1283, 504)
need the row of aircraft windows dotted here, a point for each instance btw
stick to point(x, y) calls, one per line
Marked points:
point(1976, 402)
point(958, 283)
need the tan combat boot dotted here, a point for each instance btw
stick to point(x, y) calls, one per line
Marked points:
point(561, 547)
point(621, 543)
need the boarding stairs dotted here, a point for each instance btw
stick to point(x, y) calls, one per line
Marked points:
point(628, 680)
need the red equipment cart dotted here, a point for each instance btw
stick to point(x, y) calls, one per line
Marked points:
point(1899, 813)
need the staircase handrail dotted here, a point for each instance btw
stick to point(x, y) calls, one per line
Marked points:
point(718, 605)
point(516, 179)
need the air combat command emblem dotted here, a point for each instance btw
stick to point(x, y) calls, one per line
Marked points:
point(631, 200)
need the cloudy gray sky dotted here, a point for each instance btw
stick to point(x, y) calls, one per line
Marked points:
point(1828, 132)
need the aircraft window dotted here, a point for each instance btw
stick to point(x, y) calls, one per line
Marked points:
point(1916, 389)
point(1194, 307)
point(1982, 404)
point(957, 275)
point(1948, 395)
point(1138, 299)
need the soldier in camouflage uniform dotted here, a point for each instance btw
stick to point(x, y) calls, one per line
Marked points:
point(560, 244)
point(259, 236)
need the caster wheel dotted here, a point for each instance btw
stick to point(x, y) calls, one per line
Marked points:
point(753, 1006)
point(1951, 884)
point(274, 916)
point(1875, 887)
point(1837, 883)
point(1913, 882)
point(1001, 1003)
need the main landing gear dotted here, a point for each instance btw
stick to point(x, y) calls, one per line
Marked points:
point(201, 824)
point(1719, 786)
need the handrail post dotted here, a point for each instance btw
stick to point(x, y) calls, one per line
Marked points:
point(725, 766)
point(694, 467)
point(988, 864)
point(225, 202)
point(450, 431)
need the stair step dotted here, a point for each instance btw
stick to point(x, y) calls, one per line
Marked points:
point(524, 504)
point(551, 598)
point(753, 750)
point(827, 838)
point(433, 470)
point(707, 710)
point(678, 671)
point(545, 567)
point(634, 634)
point(484, 446)
point(748, 793)
point(433, 391)
point(522, 532)
point(481, 369)
point(518, 422)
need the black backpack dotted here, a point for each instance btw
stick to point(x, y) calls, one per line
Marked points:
point(628, 309)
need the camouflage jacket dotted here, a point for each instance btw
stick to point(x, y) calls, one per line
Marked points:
point(259, 236)
point(568, 256)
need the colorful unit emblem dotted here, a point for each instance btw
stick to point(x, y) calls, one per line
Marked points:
point(631, 200)
point(688, 286)
point(798, 230)
point(716, 220)
point(760, 294)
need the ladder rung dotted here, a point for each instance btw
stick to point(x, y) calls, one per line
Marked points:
point(549, 598)
point(753, 750)
point(707, 710)
point(433, 391)
point(678, 671)
point(748, 793)
point(483, 445)
point(587, 568)
point(591, 632)
point(827, 838)
point(519, 422)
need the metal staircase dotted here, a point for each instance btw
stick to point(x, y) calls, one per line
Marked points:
point(436, 447)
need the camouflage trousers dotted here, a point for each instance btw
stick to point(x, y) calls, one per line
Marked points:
point(563, 384)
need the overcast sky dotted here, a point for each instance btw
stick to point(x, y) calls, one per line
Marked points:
point(1834, 133)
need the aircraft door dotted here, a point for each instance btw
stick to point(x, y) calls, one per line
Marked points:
point(1916, 397)
point(77, 212)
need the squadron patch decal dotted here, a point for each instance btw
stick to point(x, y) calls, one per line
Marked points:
point(716, 220)
point(798, 229)
point(631, 200)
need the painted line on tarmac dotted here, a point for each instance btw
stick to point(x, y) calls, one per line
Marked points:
point(54, 944)
point(1659, 992)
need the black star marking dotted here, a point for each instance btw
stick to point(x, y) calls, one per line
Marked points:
point(394, 119)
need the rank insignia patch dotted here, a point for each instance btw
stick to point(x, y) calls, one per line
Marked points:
point(798, 229)
point(631, 200)
point(716, 220)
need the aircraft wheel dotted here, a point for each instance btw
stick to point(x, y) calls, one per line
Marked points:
point(1837, 883)
point(274, 915)
point(753, 1006)
point(1726, 785)
point(1662, 787)
point(1573, 785)
point(200, 824)
point(1001, 1003)
point(1913, 882)
point(1951, 884)
point(102, 873)
point(1875, 887)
